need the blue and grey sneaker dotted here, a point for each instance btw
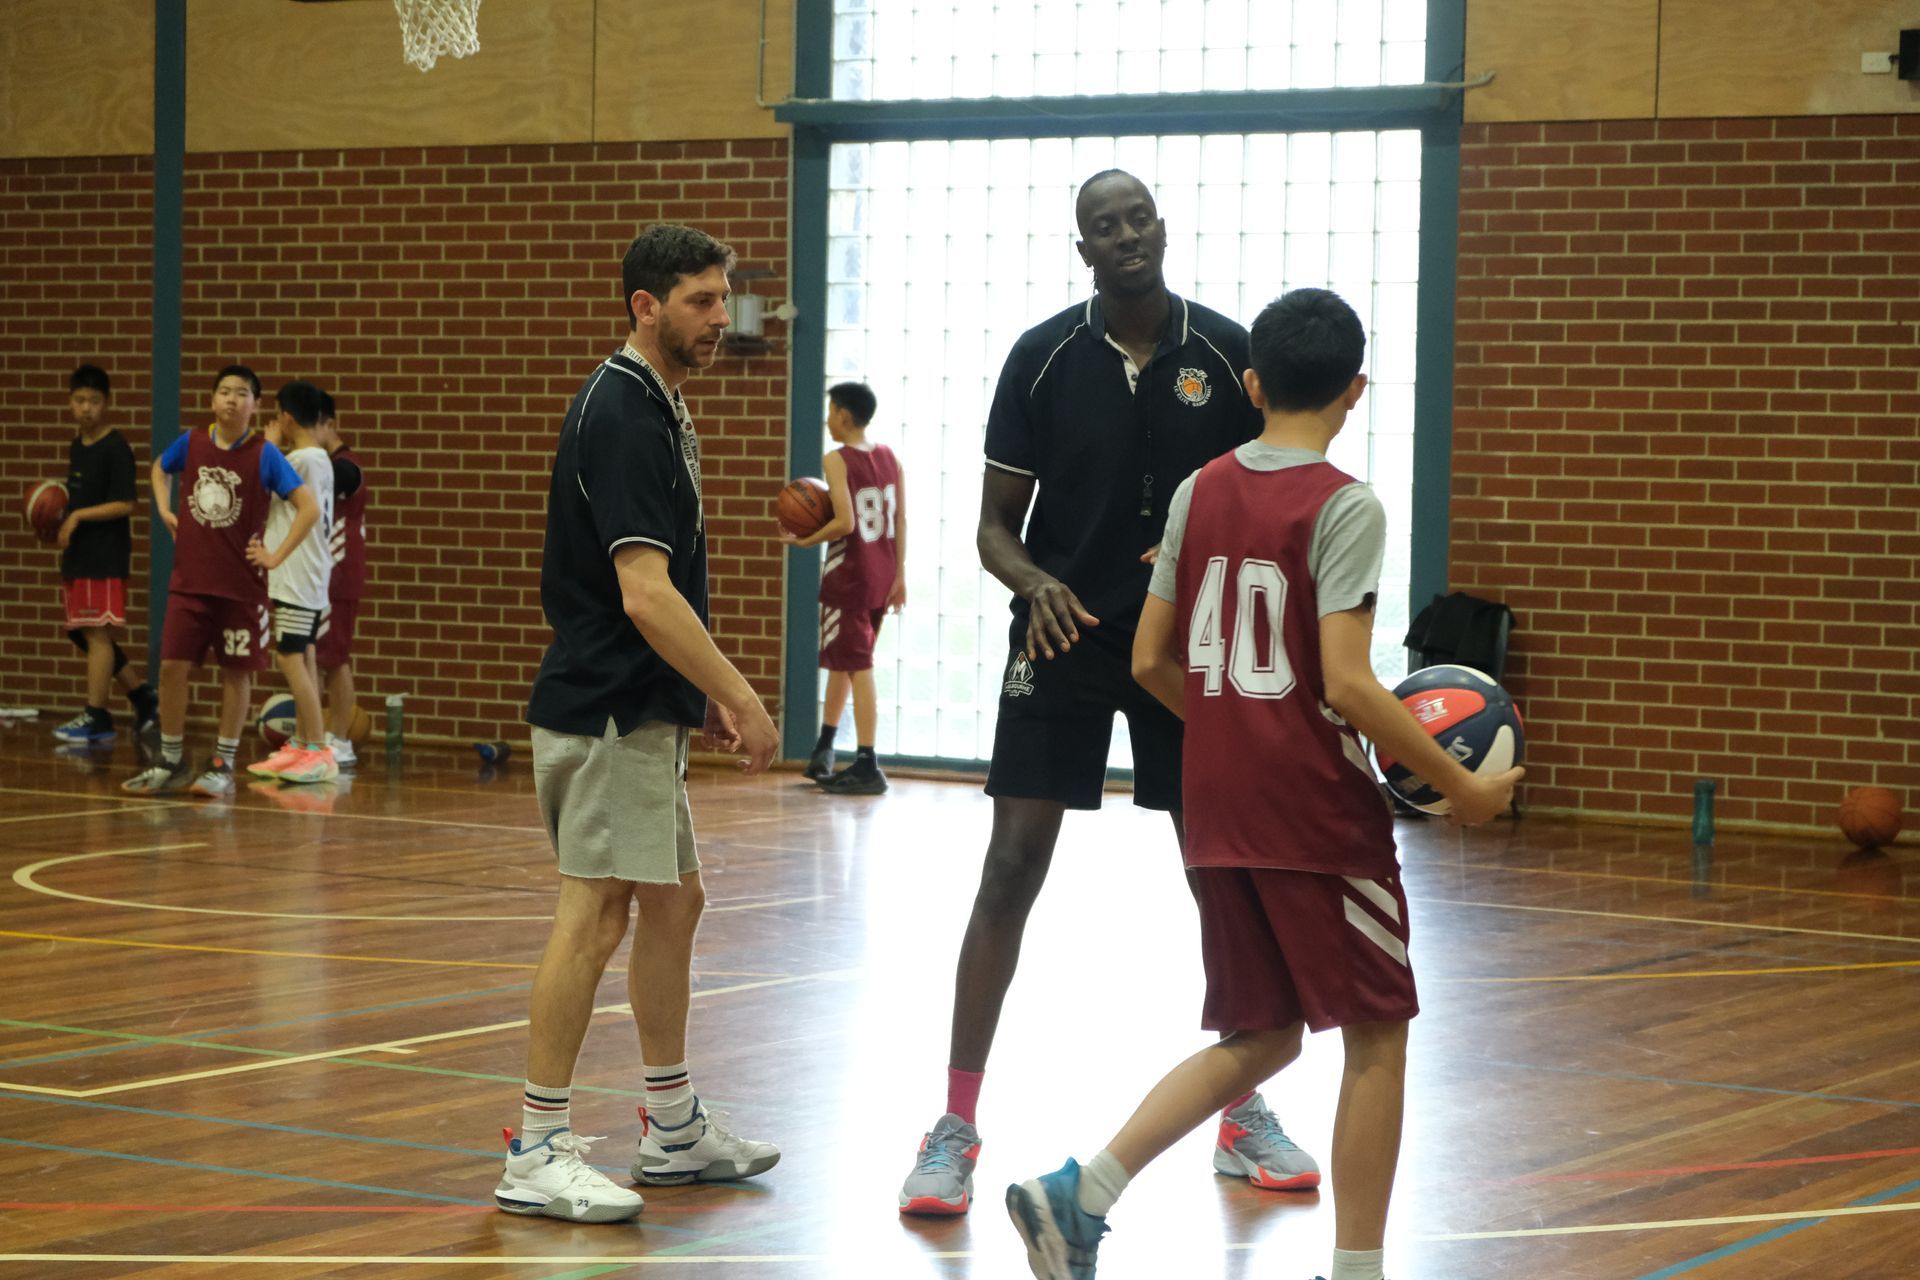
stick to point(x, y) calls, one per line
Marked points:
point(1061, 1237)
point(84, 728)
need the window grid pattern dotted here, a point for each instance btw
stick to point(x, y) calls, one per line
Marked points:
point(902, 49)
point(941, 253)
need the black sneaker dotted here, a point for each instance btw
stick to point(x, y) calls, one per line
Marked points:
point(861, 778)
point(820, 766)
point(146, 709)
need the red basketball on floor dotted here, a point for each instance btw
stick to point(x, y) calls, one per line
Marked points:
point(803, 506)
point(1870, 817)
point(46, 507)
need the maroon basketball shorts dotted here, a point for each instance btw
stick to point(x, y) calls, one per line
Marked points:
point(1301, 946)
point(235, 630)
point(96, 602)
point(847, 636)
point(335, 648)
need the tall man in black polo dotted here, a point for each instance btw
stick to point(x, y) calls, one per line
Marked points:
point(1100, 413)
point(630, 672)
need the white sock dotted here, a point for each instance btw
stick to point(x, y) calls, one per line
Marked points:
point(544, 1109)
point(1358, 1264)
point(1102, 1179)
point(227, 749)
point(670, 1097)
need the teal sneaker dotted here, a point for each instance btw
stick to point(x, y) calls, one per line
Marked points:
point(1061, 1237)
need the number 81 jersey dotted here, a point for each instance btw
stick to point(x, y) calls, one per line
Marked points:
point(1273, 777)
point(859, 568)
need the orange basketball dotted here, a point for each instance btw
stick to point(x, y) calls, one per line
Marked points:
point(1870, 816)
point(803, 506)
point(46, 507)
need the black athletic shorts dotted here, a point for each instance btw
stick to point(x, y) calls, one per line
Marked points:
point(1056, 721)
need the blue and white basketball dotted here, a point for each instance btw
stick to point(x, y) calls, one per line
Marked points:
point(276, 720)
point(1472, 719)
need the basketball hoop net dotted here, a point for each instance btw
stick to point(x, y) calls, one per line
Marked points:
point(430, 28)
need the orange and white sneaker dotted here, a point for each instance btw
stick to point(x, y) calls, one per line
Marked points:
point(941, 1184)
point(1252, 1145)
point(215, 781)
point(310, 766)
point(273, 764)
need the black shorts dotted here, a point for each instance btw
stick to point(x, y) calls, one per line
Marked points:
point(294, 627)
point(1056, 721)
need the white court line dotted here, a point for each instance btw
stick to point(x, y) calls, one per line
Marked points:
point(1733, 1220)
point(24, 877)
point(385, 1046)
point(580, 1260)
point(87, 813)
point(1709, 924)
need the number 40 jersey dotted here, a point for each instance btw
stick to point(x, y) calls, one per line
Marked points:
point(859, 568)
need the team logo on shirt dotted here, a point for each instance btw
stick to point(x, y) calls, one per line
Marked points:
point(1019, 677)
point(1193, 387)
point(215, 500)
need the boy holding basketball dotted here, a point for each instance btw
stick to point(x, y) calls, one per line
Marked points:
point(96, 551)
point(865, 576)
point(1257, 631)
point(297, 574)
point(217, 597)
point(334, 648)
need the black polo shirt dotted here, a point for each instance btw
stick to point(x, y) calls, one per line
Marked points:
point(1108, 449)
point(627, 473)
point(96, 473)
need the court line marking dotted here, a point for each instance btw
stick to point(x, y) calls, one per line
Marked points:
point(90, 795)
point(1767, 1237)
point(24, 877)
point(1771, 1090)
point(1711, 884)
point(255, 951)
point(84, 813)
point(432, 1038)
point(1692, 920)
point(855, 1260)
point(1608, 1175)
point(1683, 973)
point(1601, 1228)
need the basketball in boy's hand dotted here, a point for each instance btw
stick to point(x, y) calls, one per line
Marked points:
point(1472, 719)
point(803, 506)
point(46, 508)
point(1870, 817)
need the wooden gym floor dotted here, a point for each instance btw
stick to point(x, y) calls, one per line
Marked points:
point(279, 1038)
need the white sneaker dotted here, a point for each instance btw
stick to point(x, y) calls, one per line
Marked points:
point(343, 754)
point(701, 1150)
point(552, 1179)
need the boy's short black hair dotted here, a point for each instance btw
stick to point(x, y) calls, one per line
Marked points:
point(238, 371)
point(300, 401)
point(660, 255)
point(1307, 347)
point(857, 399)
point(326, 406)
point(89, 377)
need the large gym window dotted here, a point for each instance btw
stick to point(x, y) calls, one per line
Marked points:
point(940, 253)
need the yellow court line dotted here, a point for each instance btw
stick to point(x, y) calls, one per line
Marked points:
point(79, 795)
point(581, 1260)
point(87, 813)
point(1712, 884)
point(1687, 973)
point(1733, 1220)
point(386, 1046)
point(1710, 924)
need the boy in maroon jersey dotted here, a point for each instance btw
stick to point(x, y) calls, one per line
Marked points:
point(334, 651)
point(864, 576)
point(1258, 631)
point(217, 598)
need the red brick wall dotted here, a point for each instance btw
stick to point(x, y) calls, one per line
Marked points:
point(452, 299)
point(1686, 434)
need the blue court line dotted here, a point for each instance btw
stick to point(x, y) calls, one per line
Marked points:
point(1705, 1084)
point(244, 1173)
point(1769, 1236)
point(97, 1050)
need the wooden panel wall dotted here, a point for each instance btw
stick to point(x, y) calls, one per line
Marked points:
point(686, 69)
point(1679, 59)
point(76, 77)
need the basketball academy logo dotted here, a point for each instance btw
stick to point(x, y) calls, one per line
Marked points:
point(215, 500)
point(1019, 677)
point(1193, 387)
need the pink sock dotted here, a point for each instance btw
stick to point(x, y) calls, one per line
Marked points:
point(963, 1092)
point(1237, 1101)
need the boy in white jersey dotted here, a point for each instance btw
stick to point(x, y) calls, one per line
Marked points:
point(297, 585)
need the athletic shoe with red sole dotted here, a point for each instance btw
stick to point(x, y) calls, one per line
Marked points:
point(941, 1184)
point(1252, 1145)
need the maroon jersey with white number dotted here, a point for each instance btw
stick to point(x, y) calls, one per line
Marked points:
point(349, 537)
point(1273, 776)
point(221, 505)
point(859, 569)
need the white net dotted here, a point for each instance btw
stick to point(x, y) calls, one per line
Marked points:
point(430, 28)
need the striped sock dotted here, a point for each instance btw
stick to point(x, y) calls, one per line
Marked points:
point(172, 747)
point(669, 1094)
point(228, 749)
point(543, 1110)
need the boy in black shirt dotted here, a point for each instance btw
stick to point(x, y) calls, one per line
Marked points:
point(96, 550)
